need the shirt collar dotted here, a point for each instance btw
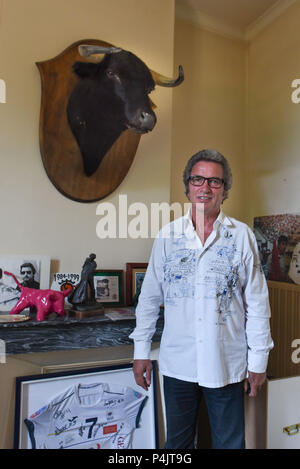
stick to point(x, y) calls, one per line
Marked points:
point(188, 226)
point(223, 219)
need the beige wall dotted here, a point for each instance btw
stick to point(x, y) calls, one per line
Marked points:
point(208, 109)
point(35, 217)
point(273, 140)
point(237, 98)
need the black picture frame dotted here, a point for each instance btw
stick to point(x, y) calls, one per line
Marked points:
point(35, 391)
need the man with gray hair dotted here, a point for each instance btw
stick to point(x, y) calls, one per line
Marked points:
point(216, 336)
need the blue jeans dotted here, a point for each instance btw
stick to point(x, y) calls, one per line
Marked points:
point(225, 408)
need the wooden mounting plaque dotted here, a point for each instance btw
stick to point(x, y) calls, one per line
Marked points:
point(59, 150)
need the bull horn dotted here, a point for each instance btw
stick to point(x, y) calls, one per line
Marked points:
point(171, 82)
point(87, 50)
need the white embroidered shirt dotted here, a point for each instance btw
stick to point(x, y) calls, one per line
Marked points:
point(216, 305)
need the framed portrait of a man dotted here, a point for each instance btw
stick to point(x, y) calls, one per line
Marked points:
point(32, 271)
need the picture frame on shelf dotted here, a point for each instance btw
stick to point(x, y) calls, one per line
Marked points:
point(135, 273)
point(109, 287)
point(62, 281)
point(124, 416)
point(31, 270)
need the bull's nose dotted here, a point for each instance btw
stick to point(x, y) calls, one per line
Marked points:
point(147, 121)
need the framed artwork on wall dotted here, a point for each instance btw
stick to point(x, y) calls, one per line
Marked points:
point(109, 287)
point(135, 273)
point(96, 408)
point(278, 239)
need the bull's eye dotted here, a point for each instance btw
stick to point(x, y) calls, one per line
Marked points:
point(112, 75)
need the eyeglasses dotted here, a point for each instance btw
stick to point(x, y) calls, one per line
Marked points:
point(214, 183)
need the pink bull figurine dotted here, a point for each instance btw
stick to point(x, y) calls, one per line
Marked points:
point(43, 301)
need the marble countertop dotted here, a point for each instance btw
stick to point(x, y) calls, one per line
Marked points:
point(70, 333)
point(53, 321)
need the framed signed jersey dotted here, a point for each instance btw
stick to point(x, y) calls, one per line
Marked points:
point(99, 408)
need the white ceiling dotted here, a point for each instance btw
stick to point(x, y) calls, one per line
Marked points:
point(236, 17)
point(240, 13)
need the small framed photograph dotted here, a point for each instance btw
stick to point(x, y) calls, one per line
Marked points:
point(135, 273)
point(32, 271)
point(65, 281)
point(109, 287)
point(94, 408)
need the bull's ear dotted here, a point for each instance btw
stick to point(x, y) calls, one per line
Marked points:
point(84, 69)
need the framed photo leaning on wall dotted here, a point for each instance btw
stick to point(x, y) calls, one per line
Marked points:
point(135, 273)
point(109, 287)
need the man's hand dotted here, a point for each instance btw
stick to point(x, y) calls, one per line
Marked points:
point(142, 372)
point(255, 381)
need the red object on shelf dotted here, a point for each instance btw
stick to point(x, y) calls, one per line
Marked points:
point(43, 302)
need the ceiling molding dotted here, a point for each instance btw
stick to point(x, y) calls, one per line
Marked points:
point(267, 18)
point(212, 24)
point(207, 22)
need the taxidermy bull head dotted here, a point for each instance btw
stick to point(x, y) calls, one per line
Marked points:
point(110, 97)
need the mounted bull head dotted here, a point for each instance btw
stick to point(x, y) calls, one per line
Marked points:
point(110, 97)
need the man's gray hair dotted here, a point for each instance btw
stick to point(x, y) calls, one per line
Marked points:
point(212, 156)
